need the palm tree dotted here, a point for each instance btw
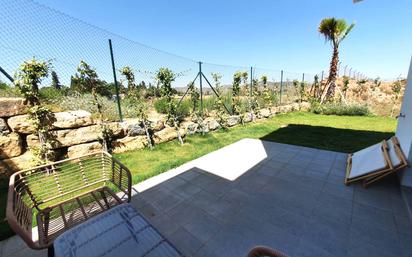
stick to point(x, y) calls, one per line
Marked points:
point(335, 31)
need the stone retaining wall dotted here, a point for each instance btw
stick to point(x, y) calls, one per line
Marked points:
point(77, 133)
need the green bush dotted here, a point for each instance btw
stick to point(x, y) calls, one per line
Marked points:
point(50, 93)
point(85, 102)
point(8, 91)
point(340, 109)
point(183, 110)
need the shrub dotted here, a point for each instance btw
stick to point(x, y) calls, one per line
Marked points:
point(183, 110)
point(9, 91)
point(340, 109)
point(85, 102)
point(48, 93)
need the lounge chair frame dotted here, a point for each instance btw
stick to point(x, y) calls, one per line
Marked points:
point(388, 167)
point(403, 164)
point(62, 194)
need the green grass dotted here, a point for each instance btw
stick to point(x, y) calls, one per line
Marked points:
point(330, 132)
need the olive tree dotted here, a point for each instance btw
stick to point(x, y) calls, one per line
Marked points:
point(27, 80)
point(396, 90)
point(245, 85)
point(345, 87)
point(129, 74)
point(89, 82)
point(216, 76)
point(267, 93)
point(165, 77)
point(219, 105)
point(236, 101)
point(137, 102)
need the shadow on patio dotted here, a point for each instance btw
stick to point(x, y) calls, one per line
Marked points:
point(291, 198)
point(255, 192)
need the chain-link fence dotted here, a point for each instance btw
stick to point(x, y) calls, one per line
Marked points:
point(32, 30)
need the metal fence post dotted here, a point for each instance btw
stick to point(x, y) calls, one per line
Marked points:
point(115, 81)
point(6, 74)
point(321, 78)
point(201, 89)
point(281, 87)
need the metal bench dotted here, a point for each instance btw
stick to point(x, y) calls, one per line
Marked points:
point(61, 195)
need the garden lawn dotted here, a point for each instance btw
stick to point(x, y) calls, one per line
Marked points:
point(329, 132)
point(336, 133)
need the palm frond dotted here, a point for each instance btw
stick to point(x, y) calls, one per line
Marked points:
point(326, 28)
point(334, 30)
point(348, 30)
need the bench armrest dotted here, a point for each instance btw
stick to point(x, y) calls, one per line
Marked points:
point(121, 177)
point(18, 214)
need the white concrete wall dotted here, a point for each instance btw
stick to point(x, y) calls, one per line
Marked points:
point(404, 130)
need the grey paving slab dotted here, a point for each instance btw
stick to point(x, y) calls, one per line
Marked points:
point(332, 187)
point(384, 219)
point(358, 247)
point(375, 198)
point(185, 242)
point(203, 227)
point(375, 236)
point(288, 197)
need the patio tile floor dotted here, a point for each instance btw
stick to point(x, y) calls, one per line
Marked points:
point(290, 198)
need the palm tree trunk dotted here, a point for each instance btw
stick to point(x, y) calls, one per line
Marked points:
point(333, 71)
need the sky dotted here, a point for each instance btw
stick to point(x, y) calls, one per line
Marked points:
point(279, 34)
point(273, 34)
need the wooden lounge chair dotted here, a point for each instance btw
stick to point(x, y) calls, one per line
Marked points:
point(368, 162)
point(61, 195)
point(397, 158)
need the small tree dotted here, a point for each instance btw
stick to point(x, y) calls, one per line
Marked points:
point(245, 83)
point(315, 88)
point(296, 86)
point(195, 99)
point(142, 109)
point(89, 82)
point(253, 100)
point(194, 96)
point(129, 74)
point(55, 81)
point(165, 77)
point(266, 92)
point(264, 80)
point(219, 105)
point(360, 89)
point(302, 90)
point(27, 80)
point(396, 90)
point(377, 83)
point(216, 79)
point(237, 79)
point(138, 103)
point(345, 85)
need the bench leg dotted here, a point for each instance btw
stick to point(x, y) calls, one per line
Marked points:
point(50, 251)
